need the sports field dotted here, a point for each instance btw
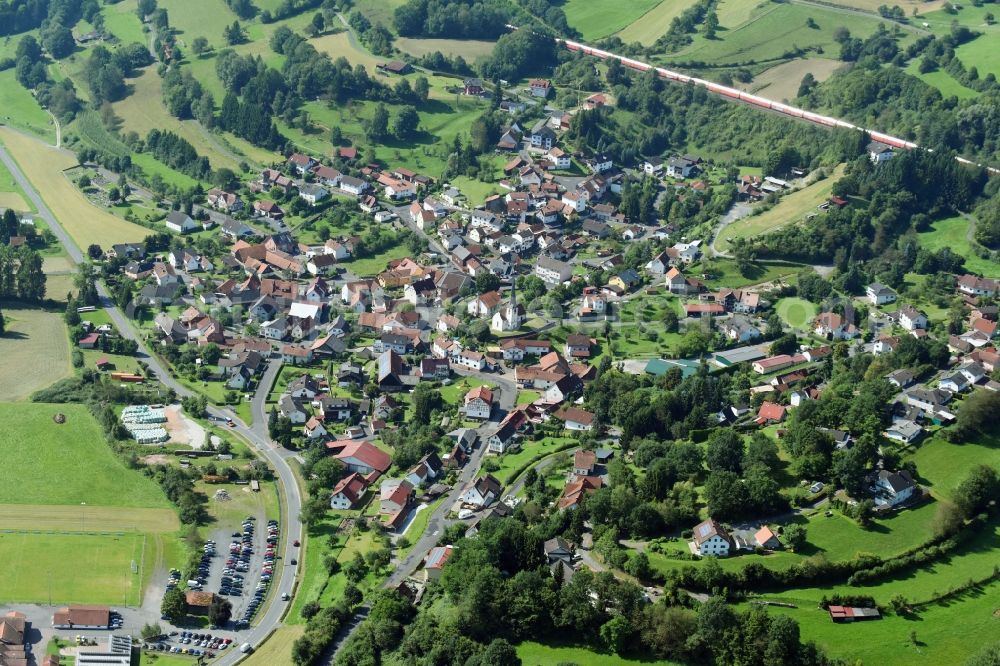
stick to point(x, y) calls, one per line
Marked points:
point(796, 312)
point(92, 568)
point(86, 223)
point(32, 334)
point(65, 464)
point(599, 18)
point(952, 233)
point(791, 208)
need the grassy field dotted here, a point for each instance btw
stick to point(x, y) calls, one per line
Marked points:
point(599, 18)
point(941, 80)
point(791, 208)
point(796, 312)
point(37, 567)
point(277, 648)
point(11, 194)
point(541, 654)
point(652, 25)
point(122, 21)
point(782, 82)
point(475, 191)
point(946, 633)
point(942, 465)
point(82, 220)
point(31, 335)
point(774, 30)
point(951, 233)
point(143, 110)
point(78, 517)
point(379, 11)
point(69, 463)
point(339, 44)
point(19, 109)
point(470, 49)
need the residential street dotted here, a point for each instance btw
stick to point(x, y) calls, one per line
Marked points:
point(289, 492)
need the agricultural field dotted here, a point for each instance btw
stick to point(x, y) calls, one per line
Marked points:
point(795, 312)
point(43, 165)
point(72, 568)
point(953, 233)
point(274, 650)
point(11, 194)
point(782, 82)
point(470, 49)
point(792, 207)
point(652, 25)
point(599, 18)
point(19, 109)
point(379, 11)
point(343, 44)
point(122, 21)
point(32, 334)
point(774, 30)
point(36, 450)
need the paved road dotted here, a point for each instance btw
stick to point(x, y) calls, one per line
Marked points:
point(257, 436)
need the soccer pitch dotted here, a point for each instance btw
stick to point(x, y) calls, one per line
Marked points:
point(71, 567)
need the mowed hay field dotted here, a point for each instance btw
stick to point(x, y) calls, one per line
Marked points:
point(339, 44)
point(65, 464)
point(782, 82)
point(599, 18)
point(86, 223)
point(35, 353)
point(470, 49)
point(652, 25)
point(143, 110)
point(791, 208)
point(19, 109)
point(277, 649)
point(71, 568)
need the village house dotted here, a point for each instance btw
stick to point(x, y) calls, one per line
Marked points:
point(833, 326)
point(711, 538)
point(180, 222)
point(479, 403)
point(879, 294)
point(347, 492)
point(552, 271)
point(911, 318)
point(483, 492)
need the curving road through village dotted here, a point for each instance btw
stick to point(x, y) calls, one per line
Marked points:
point(288, 487)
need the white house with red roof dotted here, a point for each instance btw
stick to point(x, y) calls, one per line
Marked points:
point(347, 492)
point(479, 403)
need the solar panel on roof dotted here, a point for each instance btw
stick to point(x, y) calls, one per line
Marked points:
point(704, 529)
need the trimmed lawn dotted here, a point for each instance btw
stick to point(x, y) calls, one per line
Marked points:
point(942, 465)
point(475, 191)
point(510, 462)
point(791, 208)
point(454, 393)
point(71, 568)
point(527, 397)
point(796, 312)
point(952, 233)
point(377, 263)
point(49, 463)
point(31, 335)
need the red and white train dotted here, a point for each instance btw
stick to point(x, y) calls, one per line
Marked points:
point(743, 96)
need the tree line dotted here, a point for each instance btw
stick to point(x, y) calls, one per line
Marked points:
point(21, 275)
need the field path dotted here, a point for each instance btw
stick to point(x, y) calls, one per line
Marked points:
point(55, 121)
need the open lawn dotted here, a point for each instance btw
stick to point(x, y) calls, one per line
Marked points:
point(782, 82)
point(541, 654)
point(791, 208)
point(454, 393)
point(37, 452)
point(377, 263)
point(796, 312)
point(32, 334)
point(82, 220)
point(205, 18)
point(952, 233)
point(599, 18)
point(470, 49)
point(19, 109)
point(652, 25)
point(724, 272)
point(71, 568)
point(78, 517)
point(474, 190)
